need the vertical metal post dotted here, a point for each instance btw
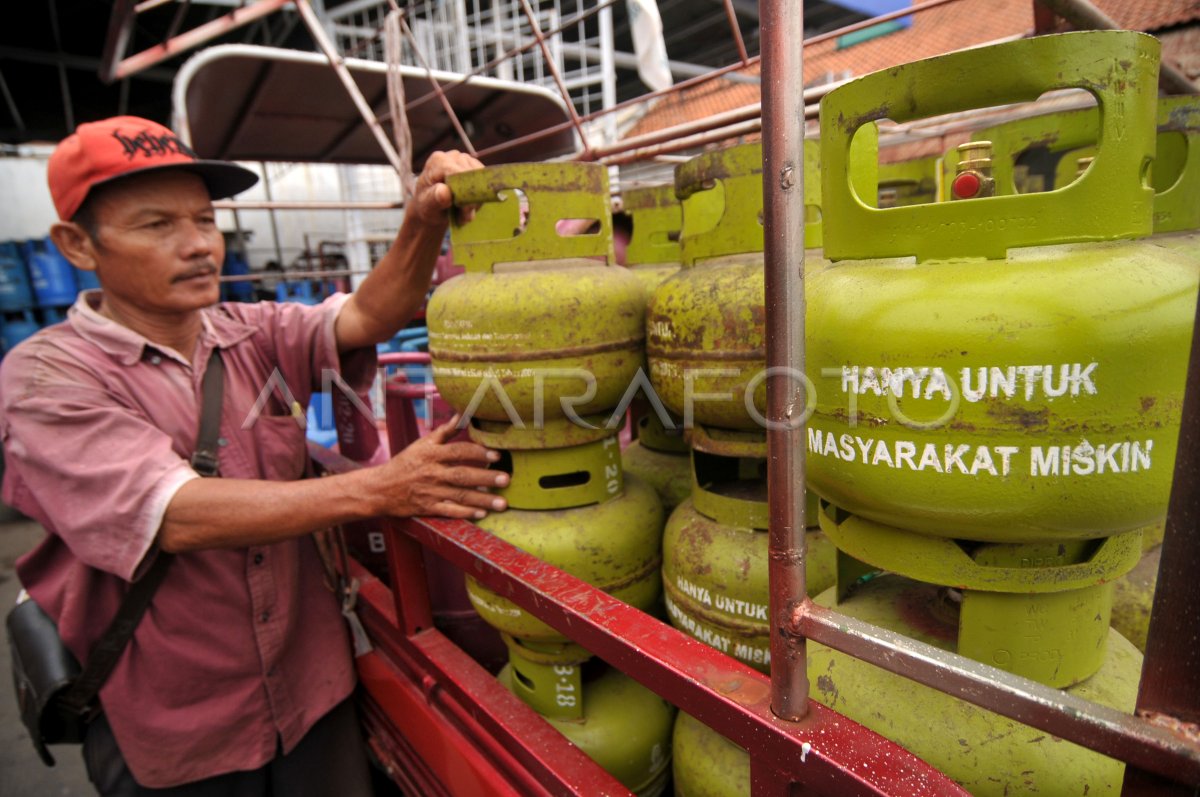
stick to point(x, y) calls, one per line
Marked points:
point(1170, 685)
point(437, 88)
point(271, 216)
point(736, 30)
point(552, 67)
point(339, 67)
point(782, 27)
point(608, 73)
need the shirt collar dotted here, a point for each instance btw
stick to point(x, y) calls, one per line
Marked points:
point(127, 346)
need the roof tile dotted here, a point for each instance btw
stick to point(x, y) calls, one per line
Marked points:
point(953, 26)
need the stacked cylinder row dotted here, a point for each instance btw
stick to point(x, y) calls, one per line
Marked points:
point(37, 285)
point(992, 393)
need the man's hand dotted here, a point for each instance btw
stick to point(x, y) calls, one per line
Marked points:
point(436, 477)
point(430, 477)
point(431, 197)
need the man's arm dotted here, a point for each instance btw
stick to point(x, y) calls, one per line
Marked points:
point(430, 477)
point(395, 288)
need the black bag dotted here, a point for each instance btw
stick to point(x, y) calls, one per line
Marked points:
point(56, 697)
point(42, 669)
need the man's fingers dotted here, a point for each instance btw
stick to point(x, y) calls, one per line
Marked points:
point(432, 197)
point(441, 434)
point(452, 510)
point(465, 452)
point(442, 197)
point(473, 500)
point(443, 164)
point(476, 477)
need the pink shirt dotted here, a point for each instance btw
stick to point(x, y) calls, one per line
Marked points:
point(241, 649)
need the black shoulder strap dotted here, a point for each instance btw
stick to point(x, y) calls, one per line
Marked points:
point(103, 657)
point(204, 460)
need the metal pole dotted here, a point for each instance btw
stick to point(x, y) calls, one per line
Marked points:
point(113, 68)
point(120, 28)
point(271, 215)
point(497, 61)
point(1170, 685)
point(552, 67)
point(1160, 745)
point(608, 74)
point(339, 67)
point(12, 106)
point(303, 204)
point(736, 30)
point(437, 88)
point(782, 27)
point(722, 134)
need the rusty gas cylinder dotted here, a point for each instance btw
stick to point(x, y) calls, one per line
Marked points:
point(541, 325)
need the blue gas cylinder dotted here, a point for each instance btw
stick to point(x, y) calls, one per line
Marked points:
point(49, 316)
point(397, 341)
point(86, 280)
point(321, 428)
point(301, 291)
point(15, 292)
point(51, 274)
point(240, 291)
point(15, 326)
point(417, 374)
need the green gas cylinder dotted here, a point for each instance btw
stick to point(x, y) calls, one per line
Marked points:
point(704, 325)
point(908, 182)
point(1005, 368)
point(659, 457)
point(1068, 141)
point(537, 314)
point(1038, 610)
point(1047, 145)
point(1176, 175)
point(1069, 138)
point(571, 505)
point(715, 548)
point(620, 724)
point(654, 252)
point(706, 764)
point(715, 584)
point(988, 471)
point(986, 753)
point(1133, 598)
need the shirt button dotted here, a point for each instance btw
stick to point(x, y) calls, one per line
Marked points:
point(264, 617)
point(156, 359)
point(222, 441)
point(258, 559)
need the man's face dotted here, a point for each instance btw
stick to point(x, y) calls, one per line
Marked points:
point(157, 245)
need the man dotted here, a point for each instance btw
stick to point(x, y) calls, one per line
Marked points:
point(238, 676)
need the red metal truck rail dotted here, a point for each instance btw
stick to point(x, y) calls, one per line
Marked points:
point(427, 700)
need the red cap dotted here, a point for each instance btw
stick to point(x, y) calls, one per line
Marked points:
point(98, 152)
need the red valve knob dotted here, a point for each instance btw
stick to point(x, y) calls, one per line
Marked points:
point(966, 185)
